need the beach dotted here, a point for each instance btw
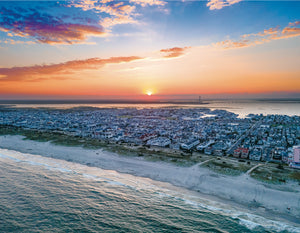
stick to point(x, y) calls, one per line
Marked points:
point(282, 200)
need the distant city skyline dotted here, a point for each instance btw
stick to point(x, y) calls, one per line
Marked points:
point(103, 49)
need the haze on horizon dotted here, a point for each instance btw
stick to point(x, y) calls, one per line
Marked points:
point(103, 49)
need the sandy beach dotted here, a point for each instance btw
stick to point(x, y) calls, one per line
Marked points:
point(278, 199)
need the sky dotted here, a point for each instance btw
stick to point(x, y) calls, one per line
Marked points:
point(137, 48)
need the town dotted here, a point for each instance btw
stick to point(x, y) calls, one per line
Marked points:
point(271, 138)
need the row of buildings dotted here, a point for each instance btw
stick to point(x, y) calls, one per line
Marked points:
point(213, 132)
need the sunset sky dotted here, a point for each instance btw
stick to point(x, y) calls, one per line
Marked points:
point(103, 48)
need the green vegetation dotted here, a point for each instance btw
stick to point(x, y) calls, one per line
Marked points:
point(126, 116)
point(270, 173)
point(295, 175)
point(171, 118)
point(228, 166)
point(54, 137)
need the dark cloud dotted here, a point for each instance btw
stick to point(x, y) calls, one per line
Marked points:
point(46, 28)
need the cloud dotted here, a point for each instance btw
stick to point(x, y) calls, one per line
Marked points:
point(109, 7)
point(219, 4)
point(174, 52)
point(294, 24)
point(46, 28)
point(292, 30)
point(54, 28)
point(14, 42)
point(118, 12)
point(144, 3)
point(60, 71)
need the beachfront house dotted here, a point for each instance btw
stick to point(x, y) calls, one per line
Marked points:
point(190, 144)
point(296, 157)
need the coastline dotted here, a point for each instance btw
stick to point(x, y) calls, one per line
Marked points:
point(282, 200)
point(269, 173)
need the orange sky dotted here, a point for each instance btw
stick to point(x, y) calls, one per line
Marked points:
point(69, 63)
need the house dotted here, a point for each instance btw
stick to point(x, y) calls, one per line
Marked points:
point(189, 145)
point(296, 157)
point(241, 152)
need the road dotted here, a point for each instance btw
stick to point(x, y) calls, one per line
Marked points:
point(242, 137)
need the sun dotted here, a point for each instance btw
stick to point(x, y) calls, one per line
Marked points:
point(149, 93)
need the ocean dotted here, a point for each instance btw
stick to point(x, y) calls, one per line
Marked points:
point(240, 107)
point(41, 194)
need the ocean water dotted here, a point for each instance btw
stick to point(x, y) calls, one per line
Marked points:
point(40, 194)
point(240, 107)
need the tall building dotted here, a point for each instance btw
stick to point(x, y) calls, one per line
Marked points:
point(295, 163)
point(296, 150)
point(200, 100)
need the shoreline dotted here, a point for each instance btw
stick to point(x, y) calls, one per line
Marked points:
point(269, 173)
point(243, 190)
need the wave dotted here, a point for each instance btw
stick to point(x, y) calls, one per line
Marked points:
point(160, 189)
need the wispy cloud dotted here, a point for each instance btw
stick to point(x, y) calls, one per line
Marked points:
point(14, 42)
point(118, 12)
point(292, 30)
point(45, 28)
point(174, 52)
point(144, 3)
point(219, 4)
point(60, 70)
